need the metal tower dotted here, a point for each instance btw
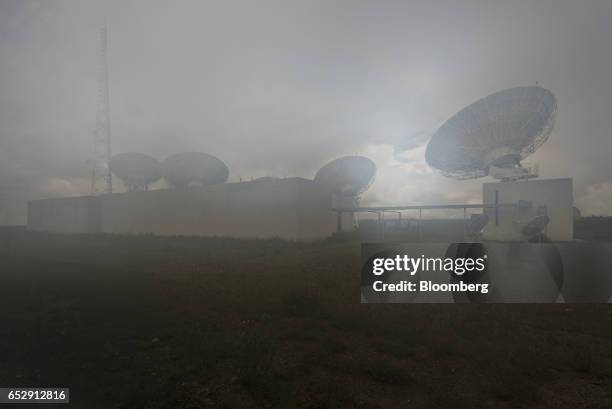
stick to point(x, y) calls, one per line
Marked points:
point(101, 176)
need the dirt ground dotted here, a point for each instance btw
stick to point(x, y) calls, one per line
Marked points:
point(146, 322)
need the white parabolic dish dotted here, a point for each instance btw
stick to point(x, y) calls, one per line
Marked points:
point(492, 135)
point(183, 169)
point(136, 170)
point(347, 176)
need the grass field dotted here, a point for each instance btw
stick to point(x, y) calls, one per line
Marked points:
point(145, 322)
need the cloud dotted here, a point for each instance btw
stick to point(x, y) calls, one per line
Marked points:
point(280, 87)
point(597, 200)
point(411, 182)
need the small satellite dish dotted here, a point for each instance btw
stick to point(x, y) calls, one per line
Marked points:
point(184, 169)
point(492, 135)
point(476, 223)
point(136, 170)
point(535, 226)
point(347, 176)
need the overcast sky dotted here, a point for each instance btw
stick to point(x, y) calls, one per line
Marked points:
point(280, 87)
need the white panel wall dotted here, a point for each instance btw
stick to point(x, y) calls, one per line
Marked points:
point(553, 197)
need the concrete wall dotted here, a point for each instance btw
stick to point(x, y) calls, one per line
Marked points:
point(65, 215)
point(553, 197)
point(293, 208)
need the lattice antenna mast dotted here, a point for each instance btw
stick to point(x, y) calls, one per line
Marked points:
point(101, 174)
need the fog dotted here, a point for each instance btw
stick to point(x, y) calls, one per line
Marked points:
point(279, 88)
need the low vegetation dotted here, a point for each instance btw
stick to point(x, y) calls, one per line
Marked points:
point(148, 322)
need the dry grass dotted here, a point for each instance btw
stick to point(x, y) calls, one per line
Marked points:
point(145, 322)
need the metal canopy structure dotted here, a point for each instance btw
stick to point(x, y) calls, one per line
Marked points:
point(381, 210)
point(492, 135)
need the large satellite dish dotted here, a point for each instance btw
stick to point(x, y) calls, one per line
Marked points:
point(347, 176)
point(492, 135)
point(136, 170)
point(184, 169)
